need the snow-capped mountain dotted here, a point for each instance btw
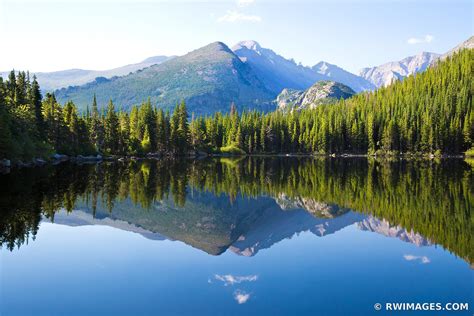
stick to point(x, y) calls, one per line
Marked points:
point(278, 73)
point(383, 75)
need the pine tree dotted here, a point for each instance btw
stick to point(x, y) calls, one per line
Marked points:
point(36, 97)
point(111, 130)
point(96, 129)
point(146, 143)
point(21, 89)
point(5, 133)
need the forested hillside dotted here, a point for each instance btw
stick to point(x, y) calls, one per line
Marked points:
point(209, 79)
point(427, 113)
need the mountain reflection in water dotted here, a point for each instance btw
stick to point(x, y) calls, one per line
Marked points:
point(246, 205)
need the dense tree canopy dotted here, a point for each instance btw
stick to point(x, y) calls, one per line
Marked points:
point(427, 113)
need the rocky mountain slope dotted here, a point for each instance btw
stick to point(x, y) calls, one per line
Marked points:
point(384, 75)
point(209, 79)
point(384, 228)
point(469, 44)
point(322, 92)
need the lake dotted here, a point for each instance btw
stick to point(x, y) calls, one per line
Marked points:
point(236, 236)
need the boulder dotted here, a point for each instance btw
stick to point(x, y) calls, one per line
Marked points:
point(154, 155)
point(81, 158)
point(21, 164)
point(39, 161)
point(60, 157)
point(202, 154)
point(5, 163)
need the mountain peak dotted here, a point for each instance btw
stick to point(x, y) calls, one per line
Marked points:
point(249, 44)
point(322, 63)
point(323, 67)
point(219, 46)
point(213, 51)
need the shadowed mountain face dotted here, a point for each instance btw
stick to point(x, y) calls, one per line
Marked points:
point(245, 205)
point(274, 70)
point(279, 73)
point(280, 225)
point(209, 79)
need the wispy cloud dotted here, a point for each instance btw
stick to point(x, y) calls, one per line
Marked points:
point(420, 40)
point(234, 16)
point(241, 296)
point(422, 259)
point(244, 3)
point(230, 279)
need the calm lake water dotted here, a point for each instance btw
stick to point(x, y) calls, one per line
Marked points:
point(253, 236)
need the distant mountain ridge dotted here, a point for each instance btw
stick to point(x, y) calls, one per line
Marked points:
point(385, 74)
point(50, 81)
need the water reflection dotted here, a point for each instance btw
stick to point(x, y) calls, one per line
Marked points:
point(247, 205)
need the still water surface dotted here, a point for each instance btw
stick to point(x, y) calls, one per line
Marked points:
point(254, 236)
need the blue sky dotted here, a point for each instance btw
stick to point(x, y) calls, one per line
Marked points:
point(53, 35)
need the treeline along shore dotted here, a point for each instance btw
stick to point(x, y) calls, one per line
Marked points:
point(429, 114)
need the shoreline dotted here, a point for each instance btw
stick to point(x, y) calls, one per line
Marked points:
point(6, 164)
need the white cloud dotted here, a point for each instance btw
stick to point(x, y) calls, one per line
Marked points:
point(234, 16)
point(244, 3)
point(241, 296)
point(422, 259)
point(230, 279)
point(416, 40)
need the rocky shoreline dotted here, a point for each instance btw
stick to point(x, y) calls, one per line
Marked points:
point(6, 164)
